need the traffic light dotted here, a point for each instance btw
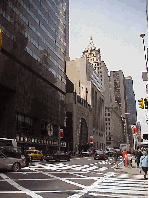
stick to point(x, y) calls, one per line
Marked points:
point(141, 103)
point(146, 103)
point(0, 38)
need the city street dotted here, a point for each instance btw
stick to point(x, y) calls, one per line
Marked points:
point(80, 177)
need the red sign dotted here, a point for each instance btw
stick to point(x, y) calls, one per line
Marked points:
point(91, 139)
point(134, 130)
point(61, 133)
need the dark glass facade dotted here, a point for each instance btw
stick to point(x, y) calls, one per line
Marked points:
point(35, 46)
point(130, 100)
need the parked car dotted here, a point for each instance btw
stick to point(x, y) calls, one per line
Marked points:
point(110, 151)
point(15, 152)
point(34, 154)
point(86, 153)
point(100, 154)
point(11, 163)
point(57, 156)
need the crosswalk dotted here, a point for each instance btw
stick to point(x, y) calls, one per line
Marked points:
point(104, 183)
point(76, 167)
point(63, 167)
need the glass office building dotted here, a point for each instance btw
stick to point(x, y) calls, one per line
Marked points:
point(35, 46)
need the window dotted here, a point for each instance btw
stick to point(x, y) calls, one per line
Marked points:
point(109, 128)
point(108, 114)
point(108, 119)
point(105, 114)
point(105, 119)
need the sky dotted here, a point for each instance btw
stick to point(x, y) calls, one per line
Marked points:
point(115, 26)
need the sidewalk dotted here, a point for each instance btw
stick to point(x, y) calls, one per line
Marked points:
point(131, 170)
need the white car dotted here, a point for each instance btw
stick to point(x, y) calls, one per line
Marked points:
point(11, 163)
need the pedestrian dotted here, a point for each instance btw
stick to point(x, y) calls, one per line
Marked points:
point(129, 160)
point(116, 157)
point(123, 154)
point(144, 163)
point(138, 155)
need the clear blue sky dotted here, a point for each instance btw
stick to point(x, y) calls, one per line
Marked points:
point(115, 26)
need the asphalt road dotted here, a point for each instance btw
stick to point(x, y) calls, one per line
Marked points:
point(80, 177)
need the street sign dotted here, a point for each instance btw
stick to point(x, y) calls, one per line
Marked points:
point(61, 133)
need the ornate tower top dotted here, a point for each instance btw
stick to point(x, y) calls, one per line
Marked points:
point(91, 45)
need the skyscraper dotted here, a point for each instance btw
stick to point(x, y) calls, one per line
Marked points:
point(35, 46)
point(130, 100)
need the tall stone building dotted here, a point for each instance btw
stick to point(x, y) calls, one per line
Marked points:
point(118, 94)
point(35, 46)
point(113, 122)
point(87, 85)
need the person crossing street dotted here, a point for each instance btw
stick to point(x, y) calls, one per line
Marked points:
point(144, 163)
point(124, 154)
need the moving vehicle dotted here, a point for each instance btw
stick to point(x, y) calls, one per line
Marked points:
point(8, 142)
point(11, 163)
point(100, 154)
point(15, 152)
point(34, 154)
point(86, 153)
point(57, 156)
point(110, 151)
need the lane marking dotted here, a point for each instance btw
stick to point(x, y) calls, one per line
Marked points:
point(19, 187)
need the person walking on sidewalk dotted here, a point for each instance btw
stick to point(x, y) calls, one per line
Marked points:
point(144, 163)
point(138, 155)
point(123, 154)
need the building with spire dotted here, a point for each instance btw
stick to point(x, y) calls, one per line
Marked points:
point(113, 121)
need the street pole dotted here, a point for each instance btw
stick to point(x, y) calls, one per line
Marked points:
point(145, 56)
point(59, 139)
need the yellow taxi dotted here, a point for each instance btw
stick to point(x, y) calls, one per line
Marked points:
point(34, 154)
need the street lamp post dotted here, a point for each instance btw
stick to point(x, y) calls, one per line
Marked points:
point(145, 56)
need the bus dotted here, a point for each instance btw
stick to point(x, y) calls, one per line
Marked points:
point(7, 142)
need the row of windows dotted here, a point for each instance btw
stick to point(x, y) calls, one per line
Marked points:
point(107, 114)
point(42, 15)
point(107, 128)
point(107, 119)
point(34, 55)
point(48, 12)
point(40, 48)
point(107, 133)
point(32, 40)
point(32, 27)
point(44, 64)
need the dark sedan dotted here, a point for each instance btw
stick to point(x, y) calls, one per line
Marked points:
point(57, 156)
point(100, 154)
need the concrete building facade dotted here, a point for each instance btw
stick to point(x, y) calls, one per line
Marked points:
point(87, 85)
